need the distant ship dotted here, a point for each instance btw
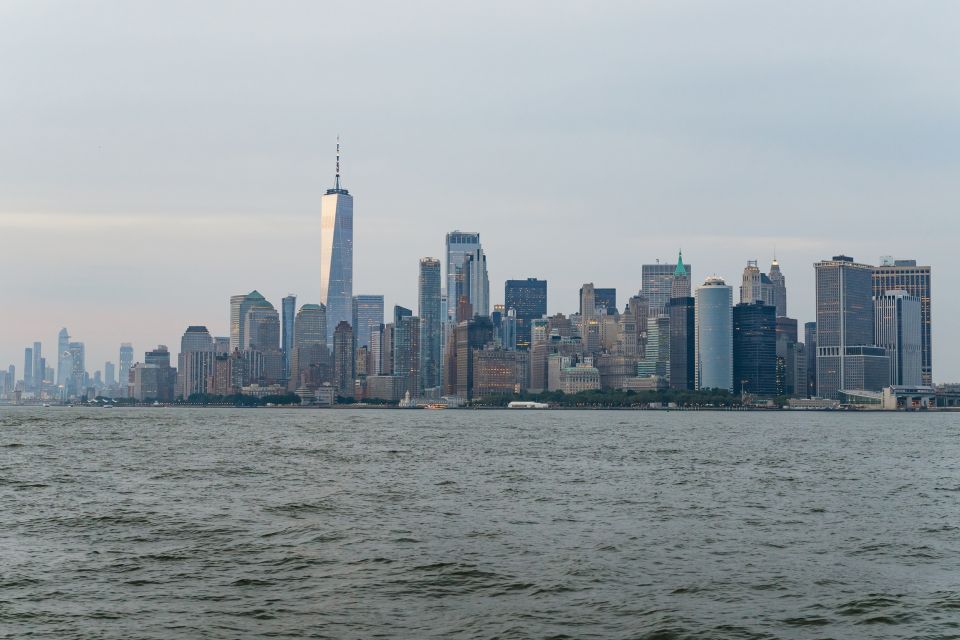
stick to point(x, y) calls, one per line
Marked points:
point(518, 404)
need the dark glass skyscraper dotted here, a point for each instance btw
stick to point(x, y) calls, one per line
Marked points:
point(682, 343)
point(755, 348)
point(289, 314)
point(431, 322)
point(529, 299)
point(367, 314)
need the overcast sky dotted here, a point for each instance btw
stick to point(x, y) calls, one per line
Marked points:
point(157, 157)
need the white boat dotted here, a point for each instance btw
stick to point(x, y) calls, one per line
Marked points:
point(521, 404)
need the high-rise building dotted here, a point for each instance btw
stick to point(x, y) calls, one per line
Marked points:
point(195, 362)
point(39, 367)
point(680, 286)
point(810, 344)
point(657, 282)
point(343, 365)
point(778, 284)
point(605, 298)
point(310, 357)
point(289, 312)
point(754, 348)
point(78, 369)
point(261, 332)
point(431, 322)
point(756, 286)
point(336, 254)
point(63, 346)
point(473, 282)
point(906, 275)
point(682, 342)
point(529, 299)
point(714, 335)
point(161, 376)
point(897, 326)
point(239, 306)
point(459, 244)
point(28, 369)
point(109, 374)
point(589, 320)
point(847, 359)
point(406, 349)
point(471, 335)
point(126, 361)
point(367, 313)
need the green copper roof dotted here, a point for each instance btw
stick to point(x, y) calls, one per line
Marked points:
point(255, 295)
point(680, 270)
point(310, 307)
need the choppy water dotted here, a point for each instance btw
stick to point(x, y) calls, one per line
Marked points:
point(175, 523)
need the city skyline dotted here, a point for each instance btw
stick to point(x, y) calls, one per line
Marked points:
point(785, 160)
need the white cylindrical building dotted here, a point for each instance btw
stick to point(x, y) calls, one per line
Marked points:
point(714, 335)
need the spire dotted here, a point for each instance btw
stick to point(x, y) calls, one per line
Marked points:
point(680, 270)
point(337, 185)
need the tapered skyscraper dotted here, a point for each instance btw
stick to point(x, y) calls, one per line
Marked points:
point(336, 254)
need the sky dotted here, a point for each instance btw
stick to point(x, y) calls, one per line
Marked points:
point(158, 157)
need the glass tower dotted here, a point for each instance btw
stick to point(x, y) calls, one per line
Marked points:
point(336, 255)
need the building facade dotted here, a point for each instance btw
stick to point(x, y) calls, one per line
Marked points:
point(754, 348)
point(714, 335)
point(336, 255)
point(907, 275)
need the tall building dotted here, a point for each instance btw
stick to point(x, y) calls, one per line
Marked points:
point(336, 254)
point(682, 342)
point(657, 283)
point(239, 306)
point(109, 374)
point(459, 244)
point(78, 369)
point(778, 284)
point(431, 322)
point(63, 346)
point(906, 275)
point(367, 313)
point(754, 348)
point(309, 346)
point(529, 299)
point(126, 361)
point(195, 362)
point(589, 319)
point(756, 286)
point(28, 369)
point(39, 367)
point(406, 350)
point(898, 321)
point(714, 335)
point(289, 312)
point(810, 342)
point(680, 286)
point(162, 378)
point(791, 368)
point(605, 298)
point(847, 359)
point(471, 335)
point(473, 282)
point(343, 365)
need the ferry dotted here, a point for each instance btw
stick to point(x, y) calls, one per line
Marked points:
point(519, 404)
point(436, 405)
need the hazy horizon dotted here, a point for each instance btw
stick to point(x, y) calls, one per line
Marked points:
point(160, 158)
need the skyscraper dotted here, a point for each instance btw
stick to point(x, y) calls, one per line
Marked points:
point(28, 369)
point(343, 363)
point(754, 348)
point(78, 369)
point(367, 313)
point(289, 311)
point(714, 335)
point(239, 305)
point(336, 254)
point(897, 326)
point(262, 333)
point(778, 284)
point(126, 361)
point(680, 286)
point(38, 367)
point(458, 245)
point(657, 282)
point(309, 345)
point(589, 324)
point(63, 346)
point(682, 343)
point(195, 362)
point(847, 359)
point(431, 322)
point(810, 342)
point(110, 374)
point(473, 282)
point(605, 298)
point(529, 299)
point(756, 286)
point(906, 275)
